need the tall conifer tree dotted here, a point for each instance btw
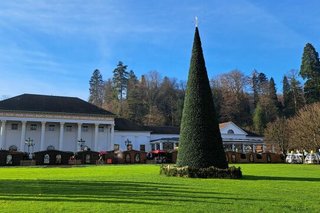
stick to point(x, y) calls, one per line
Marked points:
point(96, 88)
point(310, 70)
point(273, 95)
point(200, 143)
point(288, 110)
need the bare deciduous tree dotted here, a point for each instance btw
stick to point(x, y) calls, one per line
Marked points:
point(305, 128)
point(277, 133)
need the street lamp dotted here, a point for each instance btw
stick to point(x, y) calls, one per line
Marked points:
point(81, 143)
point(29, 142)
point(127, 143)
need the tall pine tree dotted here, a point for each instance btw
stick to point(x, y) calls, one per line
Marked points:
point(96, 88)
point(288, 109)
point(200, 143)
point(273, 96)
point(310, 71)
point(255, 87)
point(120, 83)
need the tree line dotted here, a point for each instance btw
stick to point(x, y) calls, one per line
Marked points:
point(249, 101)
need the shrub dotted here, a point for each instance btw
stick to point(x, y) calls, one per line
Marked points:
point(209, 172)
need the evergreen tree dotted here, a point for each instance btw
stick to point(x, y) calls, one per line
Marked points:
point(200, 143)
point(166, 100)
point(288, 110)
point(120, 83)
point(310, 71)
point(96, 88)
point(263, 86)
point(259, 119)
point(137, 108)
point(273, 96)
point(255, 87)
point(297, 94)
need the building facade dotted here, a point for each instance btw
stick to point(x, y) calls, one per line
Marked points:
point(31, 123)
point(41, 122)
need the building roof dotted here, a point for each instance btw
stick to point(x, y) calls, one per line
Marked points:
point(163, 129)
point(122, 124)
point(249, 133)
point(51, 104)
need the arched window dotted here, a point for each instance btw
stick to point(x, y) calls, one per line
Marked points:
point(13, 148)
point(230, 131)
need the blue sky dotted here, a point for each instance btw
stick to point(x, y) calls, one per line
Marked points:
point(52, 47)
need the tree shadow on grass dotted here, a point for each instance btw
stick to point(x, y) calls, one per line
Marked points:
point(126, 192)
point(253, 177)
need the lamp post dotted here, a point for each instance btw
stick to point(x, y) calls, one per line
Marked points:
point(127, 143)
point(29, 142)
point(81, 143)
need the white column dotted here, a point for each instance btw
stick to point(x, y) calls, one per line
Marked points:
point(79, 131)
point(263, 148)
point(243, 151)
point(61, 136)
point(273, 150)
point(112, 136)
point(161, 145)
point(23, 136)
point(79, 136)
point(108, 147)
point(43, 129)
point(96, 128)
point(2, 134)
point(254, 148)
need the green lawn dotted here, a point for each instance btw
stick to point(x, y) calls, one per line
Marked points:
point(140, 188)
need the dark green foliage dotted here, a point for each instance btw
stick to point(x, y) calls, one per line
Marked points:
point(200, 144)
point(120, 83)
point(293, 99)
point(167, 100)
point(310, 70)
point(273, 96)
point(96, 88)
point(120, 79)
point(137, 106)
point(288, 110)
point(259, 119)
point(255, 87)
point(210, 172)
point(297, 94)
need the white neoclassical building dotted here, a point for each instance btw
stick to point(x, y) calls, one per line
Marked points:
point(71, 124)
point(54, 122)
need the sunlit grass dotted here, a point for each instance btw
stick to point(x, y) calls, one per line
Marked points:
point(140, 188)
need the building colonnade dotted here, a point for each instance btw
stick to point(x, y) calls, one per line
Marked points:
point(103, 130)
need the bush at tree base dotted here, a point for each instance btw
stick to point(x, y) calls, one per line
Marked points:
point(209, 172)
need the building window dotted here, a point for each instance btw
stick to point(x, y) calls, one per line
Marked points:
point(14, 126)
point(101, 128)
point(142, 147)
point(51, 127)
point(85, 128)
point(230, 131)
point(33, 127)
point(69, 128)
